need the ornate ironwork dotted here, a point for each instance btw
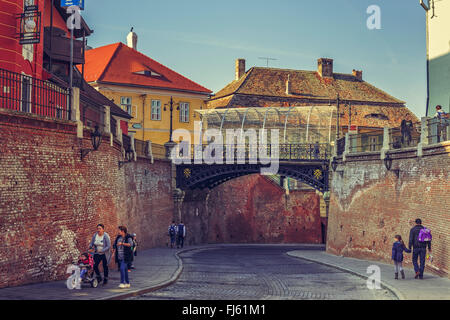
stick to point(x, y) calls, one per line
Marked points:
point(200, 176)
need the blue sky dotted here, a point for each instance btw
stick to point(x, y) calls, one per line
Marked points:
point(201, 39)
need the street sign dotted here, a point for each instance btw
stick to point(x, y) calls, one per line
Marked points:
point(68, 3)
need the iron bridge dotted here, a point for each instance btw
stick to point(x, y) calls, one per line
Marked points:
point(308, 163)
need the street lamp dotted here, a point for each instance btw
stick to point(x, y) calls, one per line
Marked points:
point(129, 154)
point(96, 139)
point(171, 116)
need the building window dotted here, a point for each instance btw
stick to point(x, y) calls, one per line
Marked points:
point(184, 112)
point(156, 110)
point(125, 103)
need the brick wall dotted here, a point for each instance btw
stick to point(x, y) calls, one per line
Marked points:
point(51, 201)
point(370, 205)
point(252, 209)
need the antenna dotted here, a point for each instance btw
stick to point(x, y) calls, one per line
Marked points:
point(267, 60)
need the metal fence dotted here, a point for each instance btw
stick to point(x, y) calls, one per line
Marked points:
point(408, 135)
point(438, 130)
point(158, 151)
point(286, 152)
point(27, 94)
point(93, 116)
point(126, 140)
point(141, 148)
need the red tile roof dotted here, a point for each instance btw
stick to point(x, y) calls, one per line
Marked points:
point(305, 85)
point(117, 63)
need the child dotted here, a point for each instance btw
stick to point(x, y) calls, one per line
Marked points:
point(84, 263)
point(397, 255)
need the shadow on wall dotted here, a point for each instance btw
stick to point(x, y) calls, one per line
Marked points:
point(439, 84)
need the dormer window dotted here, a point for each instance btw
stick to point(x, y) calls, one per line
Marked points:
point(379, 116)
point(148, 73)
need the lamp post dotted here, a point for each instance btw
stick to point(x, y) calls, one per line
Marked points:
point(170, 144)
point(96, 139)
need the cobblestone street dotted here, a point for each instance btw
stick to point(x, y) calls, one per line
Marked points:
point(261, 272)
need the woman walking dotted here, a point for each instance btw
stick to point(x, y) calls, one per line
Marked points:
point(124, 255)
point(101, 246)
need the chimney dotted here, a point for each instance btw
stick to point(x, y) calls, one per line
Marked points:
point(132, 39)
point(357, 74)
point(240, 68)
point(288, 85)
point(325, 67)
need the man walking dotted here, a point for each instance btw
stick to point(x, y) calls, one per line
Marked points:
point(419, 248)
point(172, 233)
point(181, 234)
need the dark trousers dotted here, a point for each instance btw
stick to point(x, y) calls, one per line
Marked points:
point(180, 241)
point(419, 253)
point(97, 259)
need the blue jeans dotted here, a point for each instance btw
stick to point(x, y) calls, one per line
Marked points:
point(421, 254)
point(123, 272)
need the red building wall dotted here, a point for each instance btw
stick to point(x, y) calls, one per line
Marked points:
point(51, 201)
point(11, 57)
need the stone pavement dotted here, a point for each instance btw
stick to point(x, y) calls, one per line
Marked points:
point(160, 267)
point(155, 268)
point(431, 287)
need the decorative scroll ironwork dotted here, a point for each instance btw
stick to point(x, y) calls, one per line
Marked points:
point(192, 176)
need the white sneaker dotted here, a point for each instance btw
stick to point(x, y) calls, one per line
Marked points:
point(127, 285)
point(122, 285)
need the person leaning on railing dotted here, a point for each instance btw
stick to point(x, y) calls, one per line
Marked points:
point(444, 122)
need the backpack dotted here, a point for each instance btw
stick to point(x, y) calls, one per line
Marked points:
point(172, 230)
point(424, 235)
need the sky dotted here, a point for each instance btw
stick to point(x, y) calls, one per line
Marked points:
point(202, 39)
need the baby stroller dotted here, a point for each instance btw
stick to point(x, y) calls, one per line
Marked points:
point(82, 273)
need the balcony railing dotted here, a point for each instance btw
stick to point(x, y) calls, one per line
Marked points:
point(58, 46)
point(141, 148)
point(27, 94)
point(438, 130)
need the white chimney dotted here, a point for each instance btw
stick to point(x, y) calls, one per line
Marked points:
point(288, 85)
point(132, 39)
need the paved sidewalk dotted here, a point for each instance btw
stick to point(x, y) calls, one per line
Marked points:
point(155, 268)
point(431, 287)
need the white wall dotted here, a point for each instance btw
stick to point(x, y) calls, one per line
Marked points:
point(439, 55)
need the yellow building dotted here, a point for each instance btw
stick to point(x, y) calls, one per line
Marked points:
point(144, 88)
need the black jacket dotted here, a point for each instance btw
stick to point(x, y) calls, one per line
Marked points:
point(127, 251)
point(414, 238)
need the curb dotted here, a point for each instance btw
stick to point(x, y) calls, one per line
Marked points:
point(384, 285)
point(164, 284)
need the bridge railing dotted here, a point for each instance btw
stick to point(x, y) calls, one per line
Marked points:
point(286, 152)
